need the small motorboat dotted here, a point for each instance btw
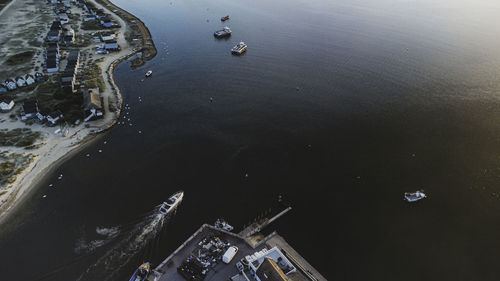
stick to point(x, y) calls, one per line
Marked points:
point(223, 224)
point(141, 274)
point(225, 32)
point(239, 49)
point(414, 196)
point(171, 203)
point(149, 73)
point(224, 18)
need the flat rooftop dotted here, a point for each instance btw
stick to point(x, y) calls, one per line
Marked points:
point(167, 270)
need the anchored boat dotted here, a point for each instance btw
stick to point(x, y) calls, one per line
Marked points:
point(149, 73)
point(414, 196)
point(224, 18)
point(223, 224)
point(239, 49)
point(141, 274)
point(171, 203)
point(225, 32)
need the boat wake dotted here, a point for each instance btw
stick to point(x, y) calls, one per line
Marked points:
point(128, 245)
point(106, 234)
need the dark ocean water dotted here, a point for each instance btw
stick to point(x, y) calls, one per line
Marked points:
point(341, 106)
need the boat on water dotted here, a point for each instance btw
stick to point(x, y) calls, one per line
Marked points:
point(149, 73)
point(223, 224)
point(239, 49)
point(171, 203)
point(141, 274)
point(414, 196)
point(224, 18)
point(225, 32)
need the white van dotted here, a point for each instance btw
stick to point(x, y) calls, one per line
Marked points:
point(229, 254)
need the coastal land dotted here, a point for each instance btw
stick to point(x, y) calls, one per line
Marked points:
point(30, 147)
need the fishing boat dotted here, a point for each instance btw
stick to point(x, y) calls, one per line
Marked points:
point(225, 32)
point(239, 49)
point(149, 73)
point(224, 18)
point(141, 274)
point(414, 196)
point(171, 203)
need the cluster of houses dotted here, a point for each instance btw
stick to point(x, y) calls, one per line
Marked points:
point(64, 33)
point(20, 82)
point(31, 111)
point(95, 14)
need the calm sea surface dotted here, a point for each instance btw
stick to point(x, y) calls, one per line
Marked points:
point(340, 105)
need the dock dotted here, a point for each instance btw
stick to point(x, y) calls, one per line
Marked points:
point(250, 243)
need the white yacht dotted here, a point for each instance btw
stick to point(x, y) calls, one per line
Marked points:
point(171, 203)
point(149, 73)
point(414, 196)
point(239, 49)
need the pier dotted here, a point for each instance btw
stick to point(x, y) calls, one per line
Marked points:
point(250, 243)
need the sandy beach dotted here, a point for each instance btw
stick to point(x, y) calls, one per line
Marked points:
point(53, 149)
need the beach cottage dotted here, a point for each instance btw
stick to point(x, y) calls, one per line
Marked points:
point(92, 106)
point(111, 45)
point(39, 77)
point(6, 105)
point(20, 82)
point(29, 79)
point(54, 117)
point(29, 109)
point(11, 84)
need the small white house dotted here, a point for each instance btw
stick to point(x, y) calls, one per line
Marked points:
point(11, 85)
point(20, 81)
point(29, 79)
point(6, 105)
point(111, 46)
point(107, 38)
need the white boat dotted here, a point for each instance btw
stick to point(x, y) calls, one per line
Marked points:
point(239, 49)
point(149, 73)
point(414, 196)
point(222, 224)
point(171, 203)
point(225, 32)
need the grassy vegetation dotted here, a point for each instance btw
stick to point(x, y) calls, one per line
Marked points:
point(92, 77)
point(52, 97)
point(20, 58)
point(11, 165)
point(20, 137)
point(91, 25)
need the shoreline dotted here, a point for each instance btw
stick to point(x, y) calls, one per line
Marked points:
point(53, 155)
